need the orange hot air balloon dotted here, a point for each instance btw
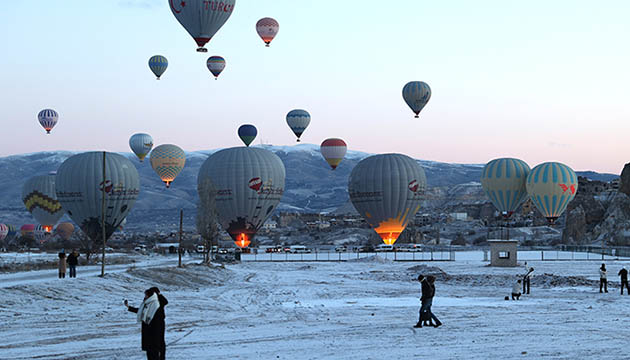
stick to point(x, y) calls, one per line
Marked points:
point(64, 230)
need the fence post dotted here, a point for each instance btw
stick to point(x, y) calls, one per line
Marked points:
point(542, 254)
point(431, 254)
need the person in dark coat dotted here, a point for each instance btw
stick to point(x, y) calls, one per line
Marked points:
point(151, 315)
point(526, 280)
point(163, 303)
point(431, 315)
point(73, 260)
point(423, 300)
point(623, 273)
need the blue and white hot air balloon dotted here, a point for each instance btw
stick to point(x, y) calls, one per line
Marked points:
point(48, 119)
point(551, 186)
point(503, 180)
point(158, 65)
point(141, 145)
point(298, 121)
point(416, 94)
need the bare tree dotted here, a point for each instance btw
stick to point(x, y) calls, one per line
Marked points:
point(207, 219)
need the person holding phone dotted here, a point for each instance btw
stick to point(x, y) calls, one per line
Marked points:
point(151, 316)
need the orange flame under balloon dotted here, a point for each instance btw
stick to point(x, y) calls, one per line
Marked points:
point(242, 241)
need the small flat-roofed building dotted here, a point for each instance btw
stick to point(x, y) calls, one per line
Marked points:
point(503, 253)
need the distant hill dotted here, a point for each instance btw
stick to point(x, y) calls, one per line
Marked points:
point(310, 184)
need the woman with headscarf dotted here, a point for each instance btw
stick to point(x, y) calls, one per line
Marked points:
point(62, 264)
point(151, 316)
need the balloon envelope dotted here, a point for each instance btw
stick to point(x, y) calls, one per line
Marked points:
point(48, 119)
point(248, 184)
point(80, 188)
point(215, 64)
point(27, 231)
point(416, 95)
point(503, 180)
point(386, 190)
point(40, 199)
point(168, 161)
point(4, 231)
point(12, 232)
point(202, 18)
point(551, 186)
point(267, 28)
point(64, 230)
point(141, 145)
point(247, 133)
point(158, 65)
point(298, 121)
point(333, 150)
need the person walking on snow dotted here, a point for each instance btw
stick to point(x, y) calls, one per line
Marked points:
point(151, 316)
point(426, 289)
point(623, 273)
point(526, 280)
point(603, 282)
point(431, 315)
point(516, 290)
point(73, 260)
point(62, 264)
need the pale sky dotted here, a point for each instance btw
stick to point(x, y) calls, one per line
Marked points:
point(536, 80)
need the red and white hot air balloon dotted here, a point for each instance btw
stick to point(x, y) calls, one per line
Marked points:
point(333, 150)
point(202, 18)
point(267, 29)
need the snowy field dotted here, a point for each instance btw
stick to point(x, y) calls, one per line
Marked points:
point(358, 309)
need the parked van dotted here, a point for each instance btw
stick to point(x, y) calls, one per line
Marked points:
point(299, 249)
point(384, 247)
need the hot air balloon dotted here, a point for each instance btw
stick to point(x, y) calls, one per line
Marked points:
point(551, 186)
point(504, 180)
point(333, 150)
point(298, 121)
point(64, 230)
point(267, 29)
point(216, 64)
point(40, 199)
point(416, 95)
point(386, 190)
point(48, 119)
point(80, 186)
point(247, 133)
point(41, 234)
point(202, 18)
point(27, 231)
point(12, 232)
point(248, 184)
point(158, 65)
point(122, 225)
point(167, 161)
point(4, 231)
point(141, 145)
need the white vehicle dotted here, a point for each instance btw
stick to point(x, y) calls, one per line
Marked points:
point(341, 249)
point(201, 249)
point(140, 248)
point(384, 247)
point(299, 249)
point(408, 248)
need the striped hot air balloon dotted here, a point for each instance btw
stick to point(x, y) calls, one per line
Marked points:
point(168, 161)
point(416, 94)
point(158, 65)
point(267, 28)
point(551, 186)
point(333, 150)
point(298, 121)
point(27, 231)
point(4, 231)
point(503, 180)
point(40, 198)
point(141, 145)
point(202, 18)
point(216, 64)
point(387, 190)
point(48, 119)
point(247, 133)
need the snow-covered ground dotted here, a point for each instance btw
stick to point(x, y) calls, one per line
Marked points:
point(358, 309)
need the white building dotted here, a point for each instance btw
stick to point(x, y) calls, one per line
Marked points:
point(270, 225)
point(458, 216)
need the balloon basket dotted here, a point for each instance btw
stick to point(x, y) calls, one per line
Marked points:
point(157, 78)
point(202, 50)
point(417, 116)
point(266, 44)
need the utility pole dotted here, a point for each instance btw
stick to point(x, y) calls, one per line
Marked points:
point(103, 231)
point(181, 224)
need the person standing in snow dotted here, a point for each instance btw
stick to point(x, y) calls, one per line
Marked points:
point(423, 300)
point(516, 290)
point(151, 316)
point(62, 264)
point(430, 315)
point(623, 273)
point(73, 260)
point(526, 280)
point(163, 303)
point(603, 282)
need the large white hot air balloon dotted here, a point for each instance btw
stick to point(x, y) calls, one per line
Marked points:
point(40, 199)
point(386, 190)
point(202, 18)
point(79, 186)
point(248, 184)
